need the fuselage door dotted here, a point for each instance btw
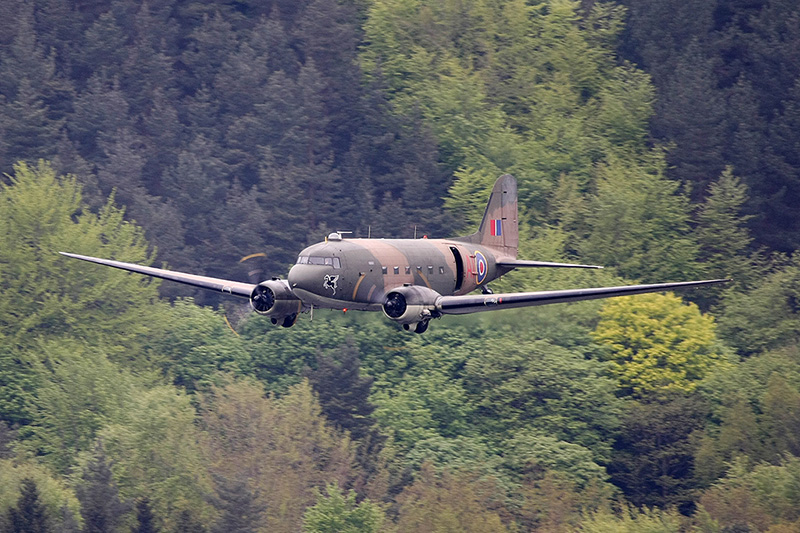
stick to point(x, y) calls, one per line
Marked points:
point(459, 268)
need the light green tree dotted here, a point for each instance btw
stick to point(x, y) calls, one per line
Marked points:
point(632, 520)
point(337, 512)
point(79, 392)
point(640, 222)
point(516, 383)
point(657, 343)
point(50, 295)
point(155, 452)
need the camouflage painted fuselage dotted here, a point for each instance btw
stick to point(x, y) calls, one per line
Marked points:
point(357, 273)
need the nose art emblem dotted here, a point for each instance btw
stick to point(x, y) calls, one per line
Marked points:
point(330, 282)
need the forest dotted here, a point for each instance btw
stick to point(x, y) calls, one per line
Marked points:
point(660, 138)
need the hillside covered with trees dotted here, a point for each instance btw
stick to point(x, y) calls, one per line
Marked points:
point(659, 138)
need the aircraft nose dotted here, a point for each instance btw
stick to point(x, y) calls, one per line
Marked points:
point(296, 275)
point(304, 277)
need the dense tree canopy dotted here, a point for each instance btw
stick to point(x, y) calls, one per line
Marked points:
point(658, 138)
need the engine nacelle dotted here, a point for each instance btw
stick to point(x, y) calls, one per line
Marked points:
point(274, 298)
point(411, 305)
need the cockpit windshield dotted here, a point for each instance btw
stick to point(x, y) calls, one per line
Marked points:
point(319, 260)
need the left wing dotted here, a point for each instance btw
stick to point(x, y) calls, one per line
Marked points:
point(460, 305)
point(236, 288)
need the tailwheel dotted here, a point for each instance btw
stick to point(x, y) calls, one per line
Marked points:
point(289, 320)
point(422, 327)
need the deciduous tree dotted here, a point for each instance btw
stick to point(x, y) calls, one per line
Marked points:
point(657, 343)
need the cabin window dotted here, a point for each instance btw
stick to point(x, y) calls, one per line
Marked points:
point(408, 270)
point(383, 270)
point(396, 270)
point(441, 270)
point(430, 269)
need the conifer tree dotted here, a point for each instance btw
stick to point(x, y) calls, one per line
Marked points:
point(29, 516)
point(238, 504)
point(343, 392)
point(145, 520)
point(653, 457)
point(101, 507)
point(186, 523)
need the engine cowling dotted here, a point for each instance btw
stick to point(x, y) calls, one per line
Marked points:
point(274, 298)
point(411, 305)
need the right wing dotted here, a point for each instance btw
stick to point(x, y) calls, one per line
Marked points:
point(236, 288)
point(461, 305)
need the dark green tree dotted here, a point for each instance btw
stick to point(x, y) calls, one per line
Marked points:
point(101, 507)
point(186, 523)
point(29, 516)
point(653, 456)
point(343, 392)
point(690, 113)
point(145, 520)
point(240, 510)
point(27, 132)
point(722, 230)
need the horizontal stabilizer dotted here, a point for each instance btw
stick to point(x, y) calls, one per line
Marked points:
point(521, 263)
point(236, 288)
point(459, 305)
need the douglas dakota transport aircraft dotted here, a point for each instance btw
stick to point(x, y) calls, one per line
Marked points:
point(411, 280)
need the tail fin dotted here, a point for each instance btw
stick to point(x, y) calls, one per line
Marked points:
point(498, 228)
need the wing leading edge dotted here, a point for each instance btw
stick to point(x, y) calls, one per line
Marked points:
point(236, 288)
point(460, 305)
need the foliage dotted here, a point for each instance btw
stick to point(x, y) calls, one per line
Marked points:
point(42, 214)
point(657, 343)
point(658, 138)
point(759, 496)
point(53, 494)
point(28, 515)
point(515, 384)
point(337, 512)
point(764, 317)
point(447, 502)
point(144, 518)
point(283, 446)
point(654, 453)
point(81, 391)
point(631, 520)
point(101, 507)
point(240, 510)
point(157, 454)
